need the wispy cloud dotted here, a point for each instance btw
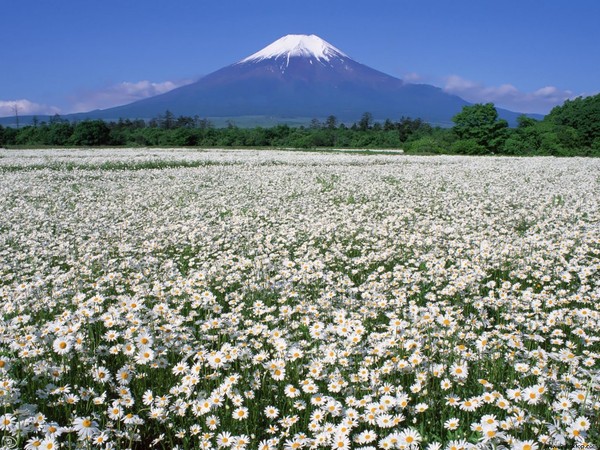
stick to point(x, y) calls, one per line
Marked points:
point(412, 77)
point(121, 94)
point(25, 107)
point(508, 96)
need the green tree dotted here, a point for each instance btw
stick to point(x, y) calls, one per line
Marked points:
point(524, 122)
point(8, 136)
point(581, 115)
point(480, 123)
point(365, 121)
point(388, 125)
point(426, 144)
point(467, 147)
point(58, 133)
point(91, 133)
point(525, 139)
point(412, 129)
point(29, 135)
point(184, 122)
point(56, 119)
point(331, 122)
point(167, 122)
point(203, 124)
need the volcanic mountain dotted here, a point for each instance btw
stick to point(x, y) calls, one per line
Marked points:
point(298, 76)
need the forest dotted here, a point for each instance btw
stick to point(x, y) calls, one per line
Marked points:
point(572, 129)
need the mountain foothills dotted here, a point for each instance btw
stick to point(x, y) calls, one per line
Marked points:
point(570, 129)
point(297, 76)
point(353, 106)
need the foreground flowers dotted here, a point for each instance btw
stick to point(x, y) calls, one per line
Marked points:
point(291, 300)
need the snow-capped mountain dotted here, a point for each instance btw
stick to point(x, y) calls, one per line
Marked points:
point(298, 76)
point(294, 45)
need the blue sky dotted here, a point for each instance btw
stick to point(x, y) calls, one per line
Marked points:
point(76, 55)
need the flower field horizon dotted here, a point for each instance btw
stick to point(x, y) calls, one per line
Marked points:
point(246, 299)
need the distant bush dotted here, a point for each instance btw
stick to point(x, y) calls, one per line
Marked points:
point(468, 147)
point(425, 144)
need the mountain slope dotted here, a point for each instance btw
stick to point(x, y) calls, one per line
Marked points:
point(298, 76)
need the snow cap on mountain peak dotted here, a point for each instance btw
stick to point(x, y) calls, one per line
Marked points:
point(297, 45)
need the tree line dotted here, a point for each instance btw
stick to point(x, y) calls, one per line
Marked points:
point(570, 129)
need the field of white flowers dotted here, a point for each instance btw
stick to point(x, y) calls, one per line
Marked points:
point(292, 300)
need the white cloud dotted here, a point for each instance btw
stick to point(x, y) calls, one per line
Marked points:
point(25, 107)
point(121, 94)
point(508, 96)
point(412, 77)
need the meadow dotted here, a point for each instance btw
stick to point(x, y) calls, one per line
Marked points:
point(240, 299)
